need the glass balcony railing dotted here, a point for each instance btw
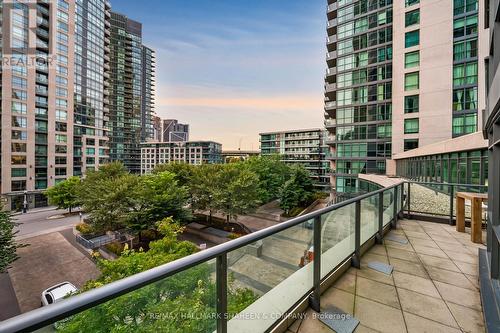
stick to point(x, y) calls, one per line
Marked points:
point(279, 268)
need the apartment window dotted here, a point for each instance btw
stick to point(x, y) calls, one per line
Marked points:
point(18, 172)
point(411, 81)
point(40, 184)
point(41, 126)
point(60, 171)
point(61, 115)
point(464, 74)
point(19, 122)
point(61, 80)
point(61, 127)
point(411, 104)
point(409, 3)
point(412, 38)
point(61, 149)
point(410, 144)
point(464, 124)
point(41, 112)
point(18, 160)
point(61, 92)
point(18, 185)
point(19, 135)
point(411, 126)
point(17, 147)
point(19, 82)
point(465, 99)
point(62, 4)
point(465, 50)
point(18, 107)
point(464, 6)
point(412, 17)
point(61, 160)
point(465, 26)
point(19, 94)
point(61, 138)
point(412, 59)
point(62, 103)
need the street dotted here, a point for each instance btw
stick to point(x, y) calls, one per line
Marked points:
point(37, 223)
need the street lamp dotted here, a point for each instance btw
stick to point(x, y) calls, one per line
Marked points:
point(25, 202)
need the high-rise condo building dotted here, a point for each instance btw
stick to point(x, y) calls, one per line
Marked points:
point(175, 131)
point(401, 74)
point(148, 93)
point(305, 147)
point(38, 69)
point(61, 85)
point(91, 93)
point(126, 92)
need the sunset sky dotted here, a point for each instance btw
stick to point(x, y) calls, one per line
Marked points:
point(232, 69)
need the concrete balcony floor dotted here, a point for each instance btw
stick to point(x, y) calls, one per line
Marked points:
point(433, 288)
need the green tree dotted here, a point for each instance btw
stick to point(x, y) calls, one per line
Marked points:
point(203, 186)
point(272, 173)
point(184, 302)
point(155, 197)
point(237, 191)
point(183, 172)
point(65, 194)
point(106, 195)
point(297, 191)
point(8, 245)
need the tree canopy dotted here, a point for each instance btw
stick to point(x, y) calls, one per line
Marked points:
point(8, 245)
point(64, 195)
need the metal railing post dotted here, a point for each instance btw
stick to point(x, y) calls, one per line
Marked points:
point(314, 300)
point(395, 208)
point(401, 211)
point(356, 260)
point(221, 281)
point(452, 194)
point(380, 233)
point(408, 201)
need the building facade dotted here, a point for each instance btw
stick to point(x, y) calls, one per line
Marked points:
point(401, 75)
point(37, 99)
point(91, 93)
point(358, 89)
point(175, 131)
point(148, 93)
point(126, 92)
point(302, 147)
point(191, 152)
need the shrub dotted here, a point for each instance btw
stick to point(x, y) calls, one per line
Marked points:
point(114, 247)
point(233, 235)
point(85, 228)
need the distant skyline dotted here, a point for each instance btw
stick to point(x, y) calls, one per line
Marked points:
point(232, 70)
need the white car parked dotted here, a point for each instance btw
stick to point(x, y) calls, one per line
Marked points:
point(58, 292)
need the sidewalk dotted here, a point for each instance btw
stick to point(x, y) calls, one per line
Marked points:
point(36, 210)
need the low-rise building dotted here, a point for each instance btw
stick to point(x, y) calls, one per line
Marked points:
point(229, 156)
point(191, 152)
point(306, 147)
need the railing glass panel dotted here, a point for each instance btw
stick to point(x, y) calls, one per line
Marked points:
point(369, 217)
point(337, 237)
point(276, 271)
point(388, 206)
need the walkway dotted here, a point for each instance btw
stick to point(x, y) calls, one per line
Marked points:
point(433, 288)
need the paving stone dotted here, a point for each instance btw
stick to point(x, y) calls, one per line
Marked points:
point(379, 317)
point(461, 296)
point(416, 324)
point(426, 306)
point(415, 283)
point(468, 319)
point(376, 291)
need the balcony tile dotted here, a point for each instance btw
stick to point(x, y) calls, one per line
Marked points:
point(431, 251)
point(416, 324)
point(403, 255)
point(376, 291)
point(426, 306)
point(423, 242)
point(408, 267)
point(461, 296)
point(415, 283)
point(465, 257)
point(346, 283)
point(439, 262)
point(338, 298)
point(467, 268)
point(374, 275)
point(453, 278)
point(379, 317)
point(469, 320)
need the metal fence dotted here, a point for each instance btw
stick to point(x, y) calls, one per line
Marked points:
point(337, 237)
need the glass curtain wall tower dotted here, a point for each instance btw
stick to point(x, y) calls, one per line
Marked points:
point(126, 90)
point(92, 72)
point(358, 89)
point(148, 93)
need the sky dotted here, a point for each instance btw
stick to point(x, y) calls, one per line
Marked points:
point(233, 69)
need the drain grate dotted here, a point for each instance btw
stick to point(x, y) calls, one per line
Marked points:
point(338, 320)
point(381, 267)
point(396, 239)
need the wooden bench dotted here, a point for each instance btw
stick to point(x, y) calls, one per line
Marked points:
point(476, 200)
